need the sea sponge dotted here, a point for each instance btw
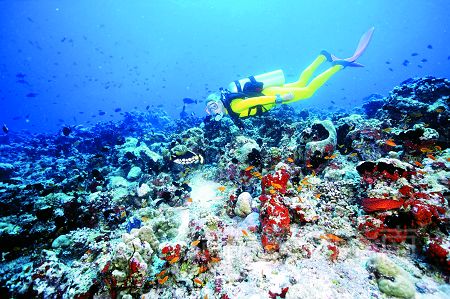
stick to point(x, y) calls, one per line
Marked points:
point(243, 204)
point(392, 280)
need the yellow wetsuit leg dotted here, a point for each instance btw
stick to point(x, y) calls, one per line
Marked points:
point(308, 72)
point(299, 88)
point(301, 93)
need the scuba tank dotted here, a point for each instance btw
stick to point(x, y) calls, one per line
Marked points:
point(275, 78)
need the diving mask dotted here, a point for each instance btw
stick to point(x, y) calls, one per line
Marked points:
point(214, 108)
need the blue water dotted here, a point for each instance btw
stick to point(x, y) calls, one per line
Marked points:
point(75, 59)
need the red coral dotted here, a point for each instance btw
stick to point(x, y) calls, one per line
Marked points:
point(380, 204)
point(134, 265)
point(438, 255)
point(406, 190)
point(278, 181)
point(281, 295)
point(334, 252)
point(422, 214)
point(275, 221)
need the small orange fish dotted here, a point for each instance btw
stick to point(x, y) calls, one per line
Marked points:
point(163, 280)
point(161, 273)
point(290, 160)
point(215, 259)
point(391, 142)
point(332, 238)
point(256, 174)
point(276, 186)
point(425, 150)
point(431, 157)
point(195, 243)
point(271, 191)
point(271, 247)
point(174, 260)
point(438, 148)
point(299, 188)
point(448, 159)
point(245, 233)
point(205, 297)
point(439, 110)
point(123, 214)
point(221, 188)
point(418, 164)
point(421, 172)
point(202, 269)
point(189, 199)
point(198, 281)
point(309, 165)
point(313, 173)
point(317, 196)
point(249, 168)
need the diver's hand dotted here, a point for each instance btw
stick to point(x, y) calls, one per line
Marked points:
point(287, 97)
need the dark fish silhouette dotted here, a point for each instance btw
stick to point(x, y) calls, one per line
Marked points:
point(148, 107)
point(22, 81)
point(388, 62)
point(414, 54)
point(189, 101)
point(430, 47)
point(405, 62)
point(117, 109)
point(5, 129)
point(183, 113)
point(101, 113)
point(391, 69)
point(424, 60)
point(66, 131)
point(31, 95)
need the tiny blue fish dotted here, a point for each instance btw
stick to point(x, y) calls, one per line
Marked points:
point(132, 223)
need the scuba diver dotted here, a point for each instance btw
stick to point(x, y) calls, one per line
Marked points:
point(256, 95)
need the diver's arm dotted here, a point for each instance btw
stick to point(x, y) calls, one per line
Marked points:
point(262, 100)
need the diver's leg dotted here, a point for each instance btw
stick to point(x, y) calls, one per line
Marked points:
point(301, 93)
point(307, 73)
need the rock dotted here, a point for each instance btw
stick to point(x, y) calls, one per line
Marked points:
point(243, 204)
point(316, 143)
point(117, 182)
point(134, 173)
point(143, 190)
point(244, 146)
point(61, 242)
point(6, 170)
point(392, 280)
point(251, 222)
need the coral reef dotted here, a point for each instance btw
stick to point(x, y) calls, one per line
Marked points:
point(293, 204)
